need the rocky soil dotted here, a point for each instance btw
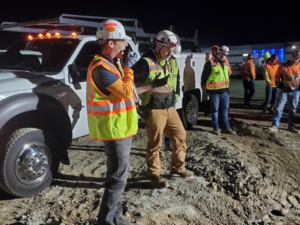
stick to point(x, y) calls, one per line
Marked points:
point(252, 178)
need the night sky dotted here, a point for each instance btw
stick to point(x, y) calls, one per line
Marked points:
point(217, 22)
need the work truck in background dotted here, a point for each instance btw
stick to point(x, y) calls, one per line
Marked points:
point(43, 94)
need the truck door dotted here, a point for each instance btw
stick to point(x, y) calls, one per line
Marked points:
point(81, 60)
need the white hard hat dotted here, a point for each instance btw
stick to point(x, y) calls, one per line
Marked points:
point(166, 37)
point(111, 29)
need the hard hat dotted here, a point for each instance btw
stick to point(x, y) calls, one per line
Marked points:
point(224, 50)
point(296, 54)
point(110, 30)
point(266, 56)
point(166, 37)
point(250, 56)
point(274, 57)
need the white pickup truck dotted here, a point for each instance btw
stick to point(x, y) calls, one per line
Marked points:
point(43, 97)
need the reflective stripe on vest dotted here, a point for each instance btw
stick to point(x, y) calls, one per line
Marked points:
point(154, 70)
point(109, 117)
point(219, 78)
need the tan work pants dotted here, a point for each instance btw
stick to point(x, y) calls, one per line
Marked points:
point(164, 121)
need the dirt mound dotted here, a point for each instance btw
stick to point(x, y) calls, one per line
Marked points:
point(251, 178)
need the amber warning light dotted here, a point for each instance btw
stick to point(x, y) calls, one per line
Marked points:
point(30, 37)
point(48, 35)
point(74, 34)
point(40, 36)
point(57, 34)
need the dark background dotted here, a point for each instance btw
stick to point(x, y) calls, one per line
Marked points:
point(217, 22)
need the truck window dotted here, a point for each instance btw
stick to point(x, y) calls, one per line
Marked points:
point(40, 55)
point(85, 57)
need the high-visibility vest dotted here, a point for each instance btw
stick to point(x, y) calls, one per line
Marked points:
point(159, 92)
point(109, 117)
point(174, 71)
point(219, 78)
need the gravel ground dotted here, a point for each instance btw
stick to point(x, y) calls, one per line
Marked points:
point(251, 178)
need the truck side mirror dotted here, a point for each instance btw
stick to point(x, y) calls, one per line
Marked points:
point(75, 75)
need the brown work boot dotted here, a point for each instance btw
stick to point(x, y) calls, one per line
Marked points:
point(185, 173)
point(159, 182)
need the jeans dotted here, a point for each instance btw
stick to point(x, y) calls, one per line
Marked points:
point(117, 152)
point(282, 97)
point(219, 103)
point(271, 93)
point(249, 88)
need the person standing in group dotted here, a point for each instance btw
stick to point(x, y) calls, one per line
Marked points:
point(176, 81)
point(287, 80)
point(248, 75)
point(269, 73)
point(112, 116)
point(215, 75)
point(159, 114)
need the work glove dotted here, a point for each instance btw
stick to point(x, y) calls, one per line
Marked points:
point(176, 98)
point(159, 82)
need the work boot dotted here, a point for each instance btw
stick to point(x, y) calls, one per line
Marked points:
point(273, 128)
point(168, 148)
point(293, 130)
point(120, 221)
point(216, 132)
point(159, 182)
point(229, 131)
point(185, 173)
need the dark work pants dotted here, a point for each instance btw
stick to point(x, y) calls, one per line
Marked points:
point(117, 152)
point(249, 88)
point(271, 93)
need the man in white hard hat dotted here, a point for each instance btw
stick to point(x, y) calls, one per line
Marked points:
point(176, 80)
point(161, 117)
point(112, 116)
point(215, 77)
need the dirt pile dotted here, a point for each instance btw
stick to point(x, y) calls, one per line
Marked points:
point(251, 178)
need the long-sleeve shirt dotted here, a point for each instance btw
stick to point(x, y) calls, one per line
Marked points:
point(248, 70)
point(269, 73)
point(288, 77)
point(108, 82)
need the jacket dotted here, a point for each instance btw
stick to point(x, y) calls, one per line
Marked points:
point(248, 70)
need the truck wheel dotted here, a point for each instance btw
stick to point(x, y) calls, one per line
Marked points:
point(189, 111)
point(28, 162)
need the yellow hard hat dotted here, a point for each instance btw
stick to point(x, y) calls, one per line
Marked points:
point(266, 55)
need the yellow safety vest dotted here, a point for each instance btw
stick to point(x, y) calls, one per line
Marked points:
point(159, 92)
point(109, 117)
point(219, 78)
point(174, 71)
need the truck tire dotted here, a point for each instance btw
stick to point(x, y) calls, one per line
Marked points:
point(189, 111)
point(28, 162)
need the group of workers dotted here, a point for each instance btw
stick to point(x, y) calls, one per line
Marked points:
point(112, 95)
point(117, 94)
point(282, 85)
